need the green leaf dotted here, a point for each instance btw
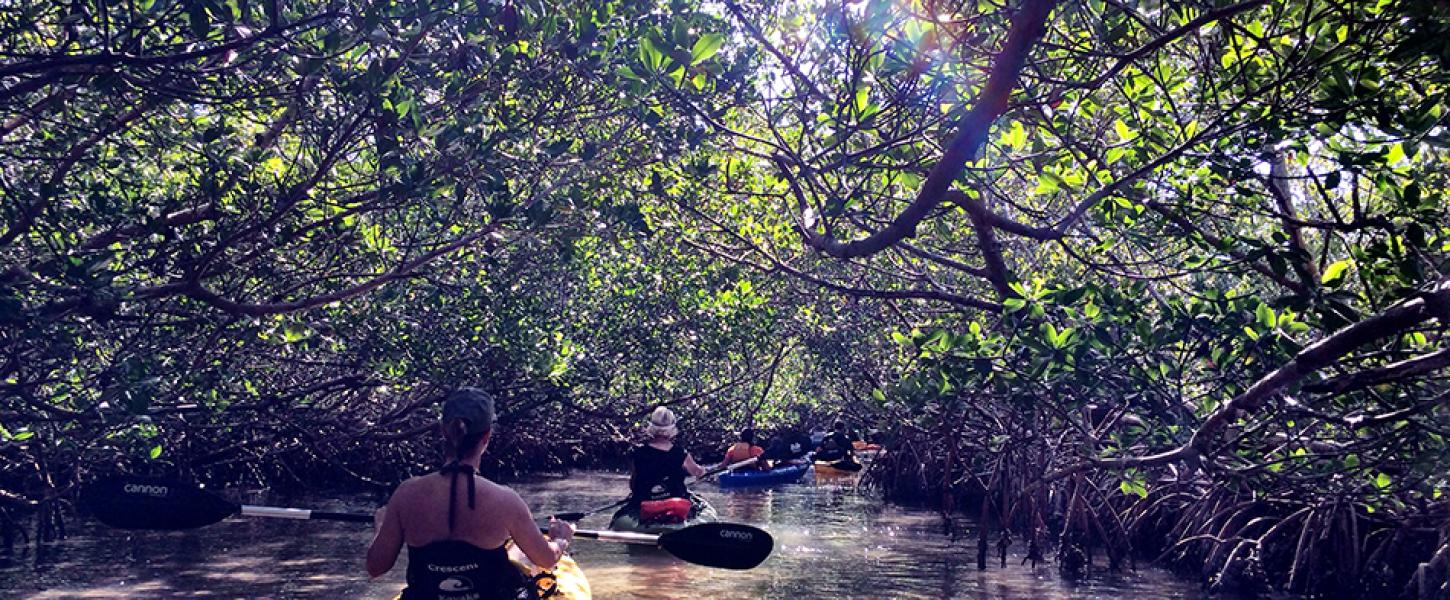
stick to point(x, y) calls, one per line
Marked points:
point(155, 452)
point(1265, 316)
point(1125, 133)
point(1334, 273)
point(1016, 136)
point(862, 100)
point(650, 55)
point(624, 72)
point(1396, 154)
point(1382, 481)
point(1049, 331)
point(1014, 304)
point(1047, 183)
point(1135, 488)
point(22, 436)
point(706, 47)
point(1071, 296)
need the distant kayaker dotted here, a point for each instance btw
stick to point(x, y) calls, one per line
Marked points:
point(659, 467)
point(837, 448)
point(789, 445)
point(745, 449)
point(456, 522)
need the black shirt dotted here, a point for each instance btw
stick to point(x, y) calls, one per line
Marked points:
point(788, 446)
point(658, 473)
point(836, 446)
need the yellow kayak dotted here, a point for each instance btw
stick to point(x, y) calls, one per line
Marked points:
point(567, 577)
point(565, 582)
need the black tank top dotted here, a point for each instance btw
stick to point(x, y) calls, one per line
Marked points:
point(658, 473)
point(458, 570)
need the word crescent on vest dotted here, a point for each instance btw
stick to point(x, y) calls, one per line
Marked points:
point(453, 568)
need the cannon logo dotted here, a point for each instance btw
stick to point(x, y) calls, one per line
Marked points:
point(158, 491)
point(731, 534)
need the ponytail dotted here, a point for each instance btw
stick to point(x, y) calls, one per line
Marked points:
point(457, 441)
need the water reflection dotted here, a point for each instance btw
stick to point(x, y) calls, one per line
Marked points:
point(831, 542)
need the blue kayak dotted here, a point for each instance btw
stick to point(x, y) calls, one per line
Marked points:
point(778, 475)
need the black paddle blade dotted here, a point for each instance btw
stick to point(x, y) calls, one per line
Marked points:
point(723, 545)
point(151, 503)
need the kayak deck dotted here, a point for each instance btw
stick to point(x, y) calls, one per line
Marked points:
point(567, 577)
point(627, 518)
point(867, 452)
point(779, 475)
point(567, 580)
point(829, 471)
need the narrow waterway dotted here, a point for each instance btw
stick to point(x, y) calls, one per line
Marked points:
point(831, 542)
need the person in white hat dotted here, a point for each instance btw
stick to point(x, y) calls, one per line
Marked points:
point(660, 467)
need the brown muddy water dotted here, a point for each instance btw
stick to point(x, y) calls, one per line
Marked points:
point(831, 542)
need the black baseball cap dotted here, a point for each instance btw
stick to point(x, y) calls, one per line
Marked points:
point(471, 405)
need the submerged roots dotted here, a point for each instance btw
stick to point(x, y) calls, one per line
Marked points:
point(1233, 538)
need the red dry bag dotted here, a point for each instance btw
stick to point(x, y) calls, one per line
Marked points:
point(670, 510)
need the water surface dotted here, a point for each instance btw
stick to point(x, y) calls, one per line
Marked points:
point(831, 542)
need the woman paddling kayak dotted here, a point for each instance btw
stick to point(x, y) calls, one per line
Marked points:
point(456, 523)
point(658, 499)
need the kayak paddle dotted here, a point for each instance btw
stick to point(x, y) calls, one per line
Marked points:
point(721, 545)
point(164, 504)
point(154, 503)
point(575, 517)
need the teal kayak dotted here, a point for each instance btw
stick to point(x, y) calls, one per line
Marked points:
point(752, 478)
point(627, 518)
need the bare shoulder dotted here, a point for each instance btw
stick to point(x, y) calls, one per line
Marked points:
point(505, 496)
point(408, 488)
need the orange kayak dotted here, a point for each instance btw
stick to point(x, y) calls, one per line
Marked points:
point(867, 451)
point(828, 470)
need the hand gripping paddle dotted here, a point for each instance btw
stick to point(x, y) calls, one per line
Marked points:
point(152, 503)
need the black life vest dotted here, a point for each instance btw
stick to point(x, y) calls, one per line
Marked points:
point(458, 570)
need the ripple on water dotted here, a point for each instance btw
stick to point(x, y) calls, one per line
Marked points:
point(831, 542)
